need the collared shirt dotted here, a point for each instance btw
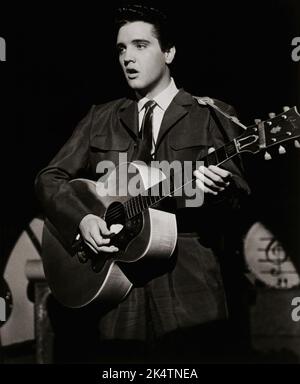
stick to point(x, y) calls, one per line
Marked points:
point(163, 100)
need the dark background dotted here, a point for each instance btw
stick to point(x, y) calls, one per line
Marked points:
point(60, 61)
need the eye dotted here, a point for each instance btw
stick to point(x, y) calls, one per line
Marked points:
point(121, 50)
point(141, 45)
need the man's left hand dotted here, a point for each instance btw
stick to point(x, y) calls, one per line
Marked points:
point(212, 179)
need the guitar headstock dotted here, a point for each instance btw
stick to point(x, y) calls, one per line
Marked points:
point(274, 131)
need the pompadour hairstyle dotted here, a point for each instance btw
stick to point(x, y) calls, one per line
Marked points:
point(135, 11)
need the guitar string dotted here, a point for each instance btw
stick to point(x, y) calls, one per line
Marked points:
point(179, 188)
point(125, 205)
point(182, 186)
point(134, 199)
point(118, 209)
point(227, 147)
point(115, 212)
point(137, 201)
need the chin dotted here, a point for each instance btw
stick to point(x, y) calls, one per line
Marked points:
point(135, 84)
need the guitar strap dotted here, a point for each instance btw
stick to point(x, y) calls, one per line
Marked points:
point(210, 102)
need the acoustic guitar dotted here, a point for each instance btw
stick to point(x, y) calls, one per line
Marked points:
point(78, 276)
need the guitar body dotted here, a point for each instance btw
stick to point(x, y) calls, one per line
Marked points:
point(151, 235)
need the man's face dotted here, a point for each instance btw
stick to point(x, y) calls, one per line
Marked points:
point(141, 58)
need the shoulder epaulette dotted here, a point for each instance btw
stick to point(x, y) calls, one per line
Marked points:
point(211, 103)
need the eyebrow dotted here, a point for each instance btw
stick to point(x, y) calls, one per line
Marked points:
point(136, 41)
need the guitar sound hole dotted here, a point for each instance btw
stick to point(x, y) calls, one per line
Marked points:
point(115, 214)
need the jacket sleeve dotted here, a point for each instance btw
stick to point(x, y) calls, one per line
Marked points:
point(57, 198)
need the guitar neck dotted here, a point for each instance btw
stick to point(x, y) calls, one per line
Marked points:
point(178, 180)
point(265, 134)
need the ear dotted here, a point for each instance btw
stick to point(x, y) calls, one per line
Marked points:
point(169, 55)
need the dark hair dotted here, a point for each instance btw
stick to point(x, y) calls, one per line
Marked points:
point(133, 11)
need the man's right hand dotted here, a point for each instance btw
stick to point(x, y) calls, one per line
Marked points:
point(93, 229)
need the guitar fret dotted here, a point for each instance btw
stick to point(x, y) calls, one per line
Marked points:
point(135, 210)
point(231, 149)
point(211, 159)
point(140, 203)
point(153, 200)
point(127, 210)
point(148, 200)
point(221, 154)
point(130, 208)
point(143, 202)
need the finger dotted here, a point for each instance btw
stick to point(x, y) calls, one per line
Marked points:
point(206, 181)
point(110, 249)
point(199, 175)
point(97, 238)
point(220, 171)
point(92, 245)
point(212, 180)
point(204, 188)
point(103, 228)
point(210, 174)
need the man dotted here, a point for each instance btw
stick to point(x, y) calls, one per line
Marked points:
point(174, 316)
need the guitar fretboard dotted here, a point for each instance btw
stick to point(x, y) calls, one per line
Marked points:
point(176, 181)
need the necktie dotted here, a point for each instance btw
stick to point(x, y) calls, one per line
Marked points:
point(144, 143)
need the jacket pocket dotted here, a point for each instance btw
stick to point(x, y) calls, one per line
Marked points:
point(108, 153)
point(106, 143)
point(187, 144)
point(188, 149)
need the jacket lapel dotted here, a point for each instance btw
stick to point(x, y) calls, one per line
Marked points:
point(128, 115)
point(178, 108)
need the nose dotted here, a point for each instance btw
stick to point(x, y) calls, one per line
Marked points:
point(128, 58)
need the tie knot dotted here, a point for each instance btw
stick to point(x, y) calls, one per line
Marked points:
point(150, 104)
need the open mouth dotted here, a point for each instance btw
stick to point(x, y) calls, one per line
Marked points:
point(131, 73)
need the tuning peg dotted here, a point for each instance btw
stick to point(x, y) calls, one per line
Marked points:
point(272, 115)
point(268, 156)
point(285, 109)
point(282, 150)
point(297, 144)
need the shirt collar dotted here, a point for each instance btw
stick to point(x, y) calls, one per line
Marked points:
point(163, 99)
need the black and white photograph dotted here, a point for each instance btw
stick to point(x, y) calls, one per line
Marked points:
point(150, 185)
